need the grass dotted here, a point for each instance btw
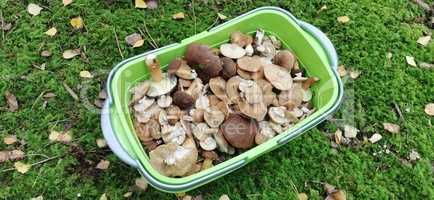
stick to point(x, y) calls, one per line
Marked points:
point(376, 28)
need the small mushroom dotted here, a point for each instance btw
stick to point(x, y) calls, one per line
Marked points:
point(244, 74)
point(214, 117)
point(202, 102)
point(173, 134)
point(151, 112)
point(139, 91)
point(208, 144)
point(201, 131)
point(249, 50)
point(223, 145)
point(213, 100)
point(208, 64)
point(229, 68)
point(232, 86)
point(277, 114)
point(197, 115)
point(211, 155)
point(241, 39)
point(239, 131)
point(307, 95)
point(154, 128)
point(195, 89)
point(284, 59)
point(160, 83)
point(174, 66)
point(250, 64)
point(267, 89)
point(256, 111)
point(173, 160)
point(143, 104)
point(162, 118)
point(182, 99)
point(164, 101)
point(276, 42)
point(276, 127)
point(185, 72)
point(142, 132)
point(294, 96)
point(232, 51)
point(218, 87)
point(257, 75)
point(265, 132)
point(259, 36)
point(250, 91)
point(184, 83)
point(309, 82)
point(266, 49)
point(278, 77)
point(223, 106)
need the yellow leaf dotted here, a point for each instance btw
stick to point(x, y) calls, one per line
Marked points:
point(355, 74)
point(103, 164)
point(77, 22)
point(63, 137)
point(343, 19)
point(66, 2)
point(51, 32)
point(302, 196)
point(34, 9)
point(179, 15)
point(342, 71)
point(140, 4)
point(71, 53)
point(429, 109)
point(224, 197)
point(424, 40)
point(141, 183)
point(22, 167)
point(221, 16)
point(101, 143)
point(10, 139)
point(85, 74)
point(138, 43)
point(410, 61)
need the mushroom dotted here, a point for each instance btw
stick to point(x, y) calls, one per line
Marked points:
point(222, 144)
point(154, 128)
point(211, 155)
point(256, 111)
point(142, 132)
point(174, 113)
point(214, 117)
point(250, 64)
point(185, 72)
point(250, 91)
point(278, 77)
point(232, 51)
point(265, 132)
point(293, 97)
point(185, 99)
point(213, 100)
point(223, 106)
point(173, 160)
point(249, 50)
point(162, 118)
point(173, 134)
point(277, 114)
point(184, 83)
point(151, 112)
point(259, 36)
point(208, 144)
point(201, 131)
point(218, 87)
point(139, 91)
point(266, 49)
point(284, 59)
point(232, 86)
point(143, 104)
point(241, 39)
point(239, 131)
point(267, 91)
point(244, 74)
point(174, 66)
point(202, 102)
point(197, 115)
point(195, 89)
point(276, 127)
point(257, 75)
point(307, 95)
point(207, 163)
point(229, 68)
point(276, 43)
point(309, 82)
point(164, 101)
point(208, 64)
point(160, 83)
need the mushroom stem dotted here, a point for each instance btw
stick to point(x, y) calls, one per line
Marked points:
point(154, 68)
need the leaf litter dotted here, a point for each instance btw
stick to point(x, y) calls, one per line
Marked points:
point(103, 164)
point(391, 128)
point(62, 137)
point(11, 155)
point(429, 109)
point(22, 167)
point(34, 9)
point(11, 101)
point(10, 139)
point(51, 32)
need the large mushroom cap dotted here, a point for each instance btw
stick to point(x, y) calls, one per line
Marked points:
point(256, 111)
point(278, 76)
point(232, 51)
point(239, 131)
point(172, 159)
point(162, 87)
point(284, 59)
point(294, 96)
point(208, 64)
point(218, 87)
point(250, 64)
point(229, 68)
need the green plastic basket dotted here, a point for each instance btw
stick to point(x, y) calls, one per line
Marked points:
point(313, 49)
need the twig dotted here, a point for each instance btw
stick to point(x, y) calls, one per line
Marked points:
point(422, 4)
point(117, 43)
point(147, 38)
point(148, 34)
point(36, 100)
point(36, 163)
point(398, 110)
point(213, 24)
point(70, 91)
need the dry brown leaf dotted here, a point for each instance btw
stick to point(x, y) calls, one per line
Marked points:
point(63, 137)
point(101, 143)
point(71, 53)
point(139, 43)
point(45, 53)
point(22, 167)
point(103, 164)
point(221, 16)
point(128, 194)
point(11, 101)
point(140, 4)
point(302, 196)
point(179, 15)
point(375, 138)
point(10, 139)
point(66, 2)
point(103, 197)
point(224, 197)
point(51, 32)
point(414, 155)
point(11, 155)
point(336, 195)
point(152, 4)
point(49, 95)
point(6, 26)
point(429, 109)
point(338, 136)
point(355, 74)
point(40, 197)
point(424, 40)
point(342, 71)
point(350, 131)
point(77, 22)
point(391, 128)
point(343, 19)
point(141, 183)
point(133, 39)
point(85, 74)
point(34, 9)
point(410, 61)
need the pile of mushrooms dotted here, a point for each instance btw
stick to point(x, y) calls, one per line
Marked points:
point(214, 103)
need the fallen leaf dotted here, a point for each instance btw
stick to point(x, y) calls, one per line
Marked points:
point(63, 137)
point(429, 109)
point(71, 53)
point(128, 194)
point(338, 136)
point(66, 2)
point(343, 19)
point(102, 94)
point(152, 4)
point(302, 196)
point(336, 195)
point(11, 101)
point(10, 139)
point(221, 16)
point(342, 71)
point(51, 32)
point(133, 39)
point(103, 197)
point(179, 15)
point(139, 43)
point(22, 167)
point(324, 7)
point(355, 74)
point(6, 26)
point(140, 4)
point(45, 53)
point(101, 143)
point(350, 131)
point(329, 188)
point(410, 61)
point(187, 197)
point(85, 74)
point(40, 197)
point(414, 155)
point(77, 22)
point(375, 138)
point(34, 9)
point(391, 128)
point(224, 197)
point(426, 65)
point(49, 95)
point(11, 155)
point(141, 183)
point(103, 164)
point(424, 40)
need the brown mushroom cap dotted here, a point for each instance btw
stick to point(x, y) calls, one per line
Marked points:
point(244, 74)
point(142, 132)
point(185, 72)
point(241, 39)
point(250, 64)
point(232, 51)
point(218, 86)
point(278, 77)
point(229, 68)
point(183, 99)
point(173, 160)
point(284, 59)
point(174, 66)
point(256, 111)
point(232, 86)
point(208, 64)
point(239, 131)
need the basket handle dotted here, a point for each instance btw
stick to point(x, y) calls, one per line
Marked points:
point(324, 42)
